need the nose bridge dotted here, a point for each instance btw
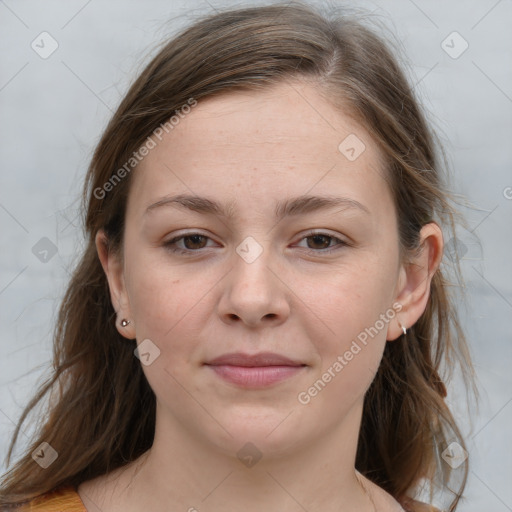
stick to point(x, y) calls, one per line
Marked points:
point(253, 292)
point(251, 268)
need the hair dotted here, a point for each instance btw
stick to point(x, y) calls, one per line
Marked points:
point(101, 412)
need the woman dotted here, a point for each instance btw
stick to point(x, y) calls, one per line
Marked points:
point(261, 312)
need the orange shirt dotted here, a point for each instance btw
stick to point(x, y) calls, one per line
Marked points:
point(64, 499)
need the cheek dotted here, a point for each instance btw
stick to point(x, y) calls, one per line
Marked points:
point(167, 310)
point(355, 311)
point(351, 298)
point(164, 300)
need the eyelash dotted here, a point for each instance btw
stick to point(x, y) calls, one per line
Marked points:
point(171, 244)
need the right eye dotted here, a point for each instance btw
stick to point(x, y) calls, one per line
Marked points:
point(192, 242)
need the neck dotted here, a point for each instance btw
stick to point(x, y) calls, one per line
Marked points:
point(183, 472)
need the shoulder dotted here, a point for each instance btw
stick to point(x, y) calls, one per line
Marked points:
point(418, 506)
point(386, 502)
point(64, 498)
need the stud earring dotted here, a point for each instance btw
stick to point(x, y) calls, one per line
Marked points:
point(404, 330)
point(124, 322)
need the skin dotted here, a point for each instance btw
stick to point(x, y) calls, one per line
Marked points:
point(254, 149)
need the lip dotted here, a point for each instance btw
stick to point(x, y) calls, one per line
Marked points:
point(251, 360)
point(257, 370)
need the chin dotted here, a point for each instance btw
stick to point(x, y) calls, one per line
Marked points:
point(269, 433)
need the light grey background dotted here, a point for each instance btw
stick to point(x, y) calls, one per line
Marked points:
point(53, 111)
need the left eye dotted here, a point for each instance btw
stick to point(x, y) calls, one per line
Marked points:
point(321, 242)
point(316, 242)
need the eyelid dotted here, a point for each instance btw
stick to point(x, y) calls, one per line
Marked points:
point(341, 241)
point(338, 246)
point(186, 234)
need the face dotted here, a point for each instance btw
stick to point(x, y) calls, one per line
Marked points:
point(246, 265)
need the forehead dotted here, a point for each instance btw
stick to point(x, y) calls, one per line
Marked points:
point(286, 138)
point(284, 113)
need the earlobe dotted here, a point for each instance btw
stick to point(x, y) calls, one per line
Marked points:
point(396, 329)
point(415, 279)
point(112, 267)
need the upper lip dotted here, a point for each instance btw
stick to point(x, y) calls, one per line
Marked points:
point(261, 359)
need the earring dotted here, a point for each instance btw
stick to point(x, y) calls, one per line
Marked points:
point(403, 328)
point(124, 322)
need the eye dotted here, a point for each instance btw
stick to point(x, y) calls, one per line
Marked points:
point(192, 242)
point(317, 242)
point(321, 242)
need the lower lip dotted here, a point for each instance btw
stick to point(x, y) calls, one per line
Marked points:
point(255, 376)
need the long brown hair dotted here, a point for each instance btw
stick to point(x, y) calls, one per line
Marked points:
point(101, 412)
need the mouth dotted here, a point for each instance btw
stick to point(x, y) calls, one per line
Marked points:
point(253, 371)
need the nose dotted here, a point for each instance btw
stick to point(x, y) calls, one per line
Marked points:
point(253, 294)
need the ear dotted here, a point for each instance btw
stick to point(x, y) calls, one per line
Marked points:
point(113, 269)
point(415, 277)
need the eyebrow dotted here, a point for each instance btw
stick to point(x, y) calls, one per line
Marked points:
point(294, 206)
